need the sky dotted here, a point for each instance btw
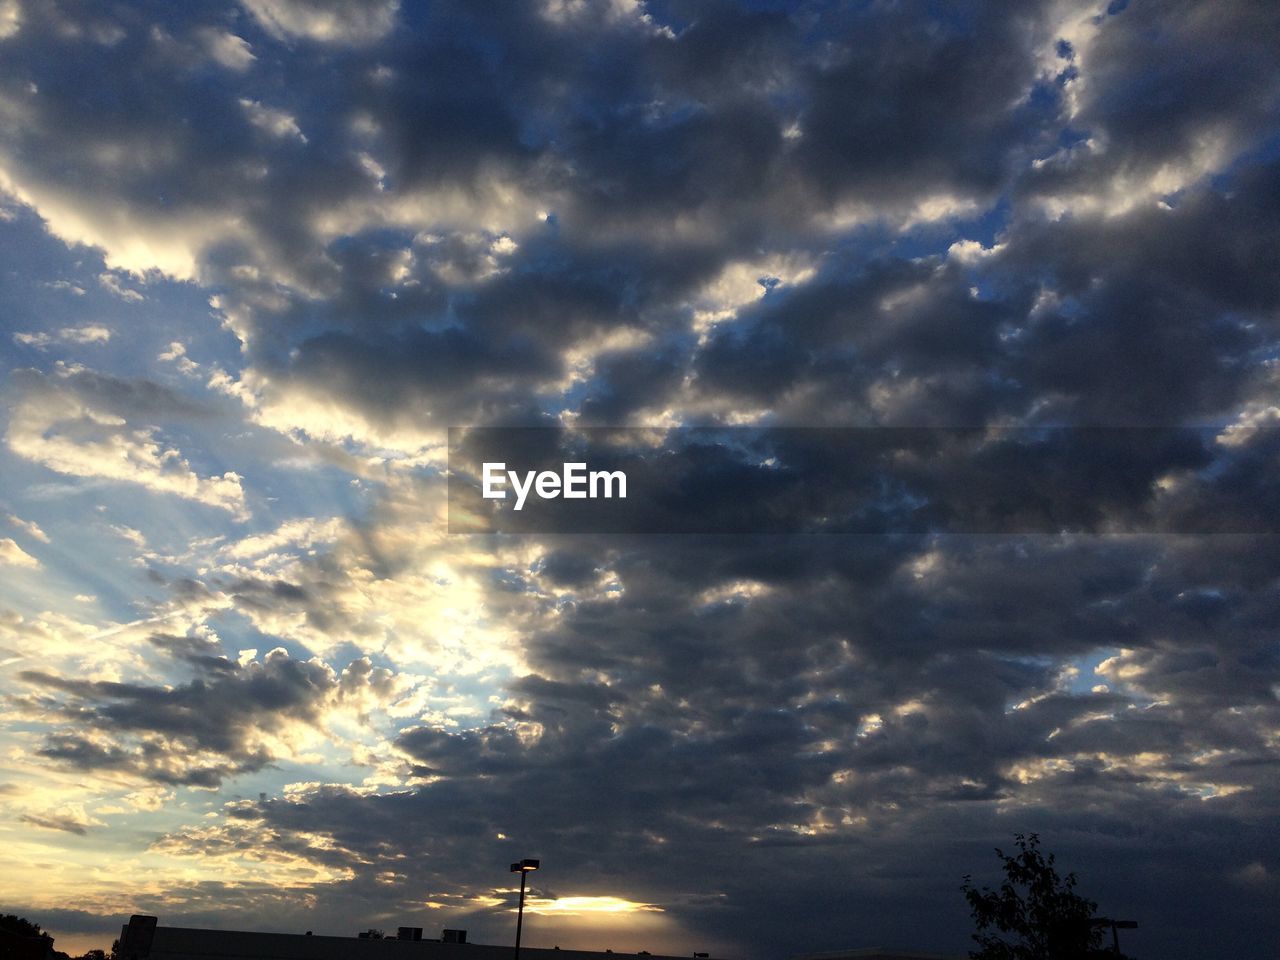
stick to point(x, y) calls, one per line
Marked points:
point(256, 258)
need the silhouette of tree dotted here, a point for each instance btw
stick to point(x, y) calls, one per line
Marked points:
point(1036, 914)
point(20, 926)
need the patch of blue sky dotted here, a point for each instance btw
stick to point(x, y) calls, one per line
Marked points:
point(289, 488)
point(48, 287)
point(236, 632)
point(1085, 677)
point(469, 700)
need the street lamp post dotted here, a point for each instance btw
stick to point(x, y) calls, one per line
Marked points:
point(522, 867)
point(1115, 926)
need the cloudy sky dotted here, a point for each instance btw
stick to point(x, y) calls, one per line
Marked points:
point(258, 257)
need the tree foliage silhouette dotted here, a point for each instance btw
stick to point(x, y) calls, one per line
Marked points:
point(22, 927)
point(1036, 914)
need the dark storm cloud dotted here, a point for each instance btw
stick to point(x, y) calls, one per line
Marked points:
point(913, 104)
point(55, 822)
point(632, 142)
point(1163, 81)
point(649, 141)
point(944, 353)
point(869, 708)
point(663, 161)
point(1162, 314)
point(1155, 317)
point(197, 733)
point(200, 654)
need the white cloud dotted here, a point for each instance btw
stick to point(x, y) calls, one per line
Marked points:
point(300, 410)
point(10, 18)
point(70, 817)
point(14, 556)
point(177, 355)
point(296, 534)
point(112, 285)
point(67, 285)
point(90, 333)
point(87, 334)
point(612, 12)
point(53, 426)
point(129, 533)
point(352, 22)
point(741, 282)
point(227, 49)
point(278, 123)
point(29, 527)
point(131, 240)
point(495, 202)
